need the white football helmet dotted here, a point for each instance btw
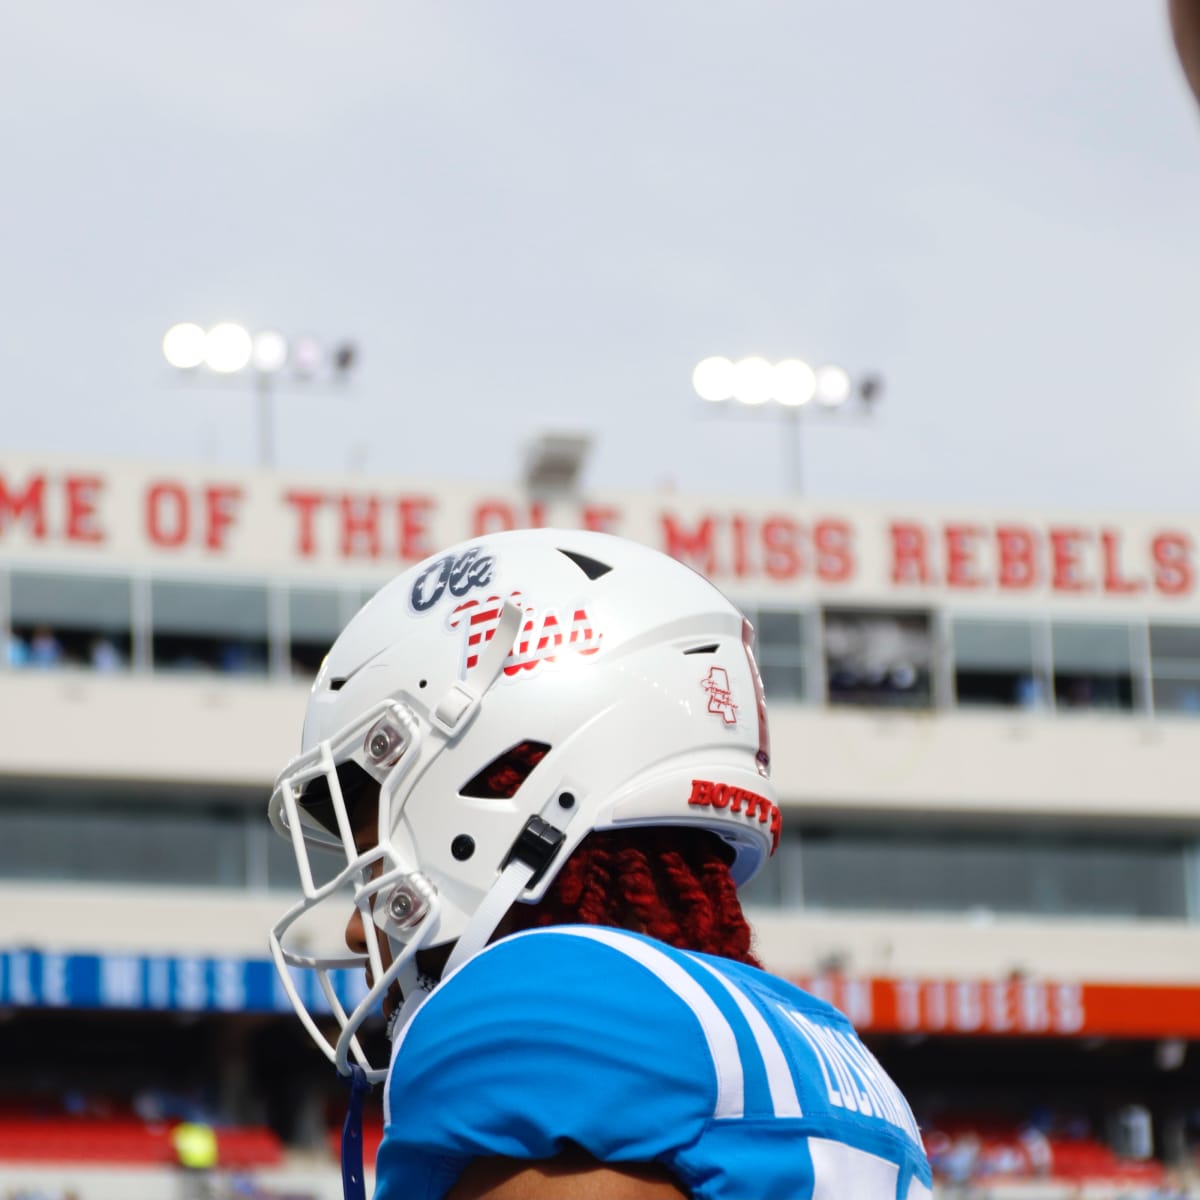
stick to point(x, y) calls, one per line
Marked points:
point(509, 696)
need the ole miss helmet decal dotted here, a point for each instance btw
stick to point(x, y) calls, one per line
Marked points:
point(545, 633)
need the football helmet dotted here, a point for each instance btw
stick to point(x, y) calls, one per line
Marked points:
point(504, 699)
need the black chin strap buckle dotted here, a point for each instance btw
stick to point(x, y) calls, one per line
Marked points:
point(536, 846)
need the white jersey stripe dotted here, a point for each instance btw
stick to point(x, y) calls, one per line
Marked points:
point(779, 1076)
point(841, 1170)
point(718, 1033)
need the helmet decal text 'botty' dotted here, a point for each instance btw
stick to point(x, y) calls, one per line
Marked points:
point(543, 635)
point(706, 794)
point(453, 573)
point(720, 698)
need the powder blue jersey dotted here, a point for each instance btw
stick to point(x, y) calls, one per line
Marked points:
point(741, 1085)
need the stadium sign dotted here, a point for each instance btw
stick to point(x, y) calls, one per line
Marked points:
point(35, 979)
point(1014, 1007)
point(1009, 1007)
point(242, 522)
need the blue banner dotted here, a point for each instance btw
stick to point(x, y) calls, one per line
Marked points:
point(36, 979)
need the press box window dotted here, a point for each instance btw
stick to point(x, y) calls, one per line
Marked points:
point(210, 627)
point(1175, 668)
point(995, 664)
point(878, 659)
point(1093, 665)
point(994, 871)
point(87, 843)
point(71, 620)
point(314, 621)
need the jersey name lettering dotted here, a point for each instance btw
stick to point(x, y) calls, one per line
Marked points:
point(854, 1080)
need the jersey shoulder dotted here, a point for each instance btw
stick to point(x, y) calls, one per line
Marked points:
point(572, 1035)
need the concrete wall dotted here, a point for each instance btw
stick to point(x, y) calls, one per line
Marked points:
point(1013, 767)
point(221, 730)
point(104, 919)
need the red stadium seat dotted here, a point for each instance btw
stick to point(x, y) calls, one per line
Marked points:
point(249, 1146)
point(124, 1140)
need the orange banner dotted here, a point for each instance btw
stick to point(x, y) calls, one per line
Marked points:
point(1012, 1007)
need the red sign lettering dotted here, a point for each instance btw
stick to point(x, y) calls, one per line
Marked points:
point(1172, 553)
point(171, 514)
point(1114, 581)
point(305, 505)
point(82, 494)
point(834, 544)
point(1065, 552)
point(741, 535)
point(1016, 553)
point(360, 526)
point(412, 521)
point(601, 518)
point(220, 514)
point(1016, 1006)
point(910, 553)
point(781, 548)
point(167, 514)
point(28, 505)
point(692, 546)
point(962, 556)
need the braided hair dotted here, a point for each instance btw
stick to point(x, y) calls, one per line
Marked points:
point(672, 884)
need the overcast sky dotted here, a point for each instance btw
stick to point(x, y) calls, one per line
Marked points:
point(536, 215)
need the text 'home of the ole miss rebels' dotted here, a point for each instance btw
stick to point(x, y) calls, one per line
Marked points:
point(258, 521)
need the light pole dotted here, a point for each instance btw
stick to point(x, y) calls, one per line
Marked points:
point(790, 387)
point(228, 349)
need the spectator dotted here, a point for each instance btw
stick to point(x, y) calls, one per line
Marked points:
point(16, 651)
point(104, 654)
point(45, 650)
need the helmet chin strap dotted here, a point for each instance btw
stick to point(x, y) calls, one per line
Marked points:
point(514, 879)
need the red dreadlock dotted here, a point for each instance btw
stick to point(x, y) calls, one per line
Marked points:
point(673, 884)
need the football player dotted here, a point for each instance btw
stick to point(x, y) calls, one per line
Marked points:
point(542, 760)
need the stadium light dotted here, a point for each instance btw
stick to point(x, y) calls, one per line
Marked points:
point(228, 349)
point(270, 351)
point(753, 381)
point(795, 382)
point(713, 379)
point(833, 385)
point(787, 387)
point(307, 356)
point(183, 346)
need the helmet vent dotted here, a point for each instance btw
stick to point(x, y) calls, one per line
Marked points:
point(589, 566)
point(503, 776)
point(707, 648)
point(336, 685)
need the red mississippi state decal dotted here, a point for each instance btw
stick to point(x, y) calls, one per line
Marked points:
point(720, 699)
point(750, 805)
